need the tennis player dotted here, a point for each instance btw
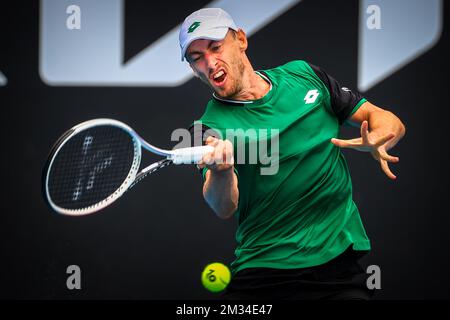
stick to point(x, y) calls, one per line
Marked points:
point(299, 234)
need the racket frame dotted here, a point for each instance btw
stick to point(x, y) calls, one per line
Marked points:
point(119, 191)
point(177, 156)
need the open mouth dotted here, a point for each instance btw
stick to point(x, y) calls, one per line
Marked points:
point(219, 77)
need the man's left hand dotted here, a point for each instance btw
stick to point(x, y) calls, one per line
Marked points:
point(373, 143)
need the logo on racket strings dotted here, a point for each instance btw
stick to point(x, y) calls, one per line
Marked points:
point(97, 169)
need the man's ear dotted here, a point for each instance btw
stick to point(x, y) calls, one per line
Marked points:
point(242, 38)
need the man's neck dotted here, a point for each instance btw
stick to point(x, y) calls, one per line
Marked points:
point(254, 87)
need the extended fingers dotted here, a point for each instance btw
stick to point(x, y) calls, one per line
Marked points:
point(346, 143)
point(387, 171)
point(365, 132)
point(383, 140)
point(384, 155)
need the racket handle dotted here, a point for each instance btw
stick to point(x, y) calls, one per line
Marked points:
point(189, 155)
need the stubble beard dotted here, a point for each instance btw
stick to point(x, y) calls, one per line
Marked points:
point(237, 84)
point(235, 78)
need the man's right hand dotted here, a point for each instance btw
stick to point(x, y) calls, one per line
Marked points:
point(221, 159)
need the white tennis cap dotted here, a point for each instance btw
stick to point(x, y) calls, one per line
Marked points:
point(208, 23)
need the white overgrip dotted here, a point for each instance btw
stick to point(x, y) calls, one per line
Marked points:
point(189, 155)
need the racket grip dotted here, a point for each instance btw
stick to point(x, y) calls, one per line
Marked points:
point(189, 155)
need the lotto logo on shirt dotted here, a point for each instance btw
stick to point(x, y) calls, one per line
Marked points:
point(311, 96)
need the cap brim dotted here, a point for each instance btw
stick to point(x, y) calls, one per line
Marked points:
point(210, 34)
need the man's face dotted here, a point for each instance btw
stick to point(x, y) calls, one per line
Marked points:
point(219, 63)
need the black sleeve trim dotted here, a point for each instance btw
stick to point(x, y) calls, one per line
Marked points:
point(343, 100)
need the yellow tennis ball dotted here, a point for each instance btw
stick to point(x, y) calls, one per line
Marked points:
point(216, 276)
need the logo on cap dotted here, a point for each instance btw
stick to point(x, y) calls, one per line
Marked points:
point(193, 26)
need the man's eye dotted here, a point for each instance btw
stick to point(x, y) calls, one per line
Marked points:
point(216, 48)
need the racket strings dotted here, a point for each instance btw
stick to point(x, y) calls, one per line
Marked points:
point(91, 166)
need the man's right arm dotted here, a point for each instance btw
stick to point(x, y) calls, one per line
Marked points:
point(220, 188)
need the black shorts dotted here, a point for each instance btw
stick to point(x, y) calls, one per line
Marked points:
point(342, 278)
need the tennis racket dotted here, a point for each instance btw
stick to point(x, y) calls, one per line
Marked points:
point(97, 161)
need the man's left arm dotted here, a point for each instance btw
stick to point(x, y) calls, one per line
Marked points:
point(380, 131)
